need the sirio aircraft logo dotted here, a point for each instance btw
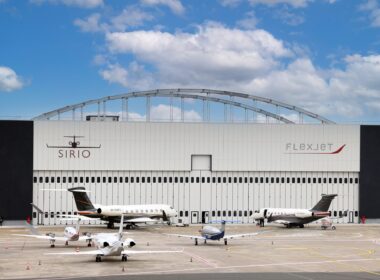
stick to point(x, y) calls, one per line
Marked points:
point(313, 148)
point(73, 150)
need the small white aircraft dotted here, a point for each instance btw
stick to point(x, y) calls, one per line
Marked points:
point(133, 213)
point(70, 234)
point(112, 244)
point(214, 234)
point(295, 217)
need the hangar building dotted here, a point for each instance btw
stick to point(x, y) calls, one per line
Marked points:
point(207, 170)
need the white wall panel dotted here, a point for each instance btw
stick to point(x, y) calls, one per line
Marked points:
point(169, 146)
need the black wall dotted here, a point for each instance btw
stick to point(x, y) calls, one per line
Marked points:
point(16, 169)
point(369, 190)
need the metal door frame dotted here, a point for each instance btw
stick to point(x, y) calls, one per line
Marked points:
point(194, 217)
point(205, 217)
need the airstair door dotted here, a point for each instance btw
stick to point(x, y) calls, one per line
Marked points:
point(205, 217)
point(351, 216)
point(194, 217)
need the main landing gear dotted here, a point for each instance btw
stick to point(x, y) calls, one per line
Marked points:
point(52, 245)
point(67, 243)
point(124, 258)
point(110, 225)
point(89, 243)
point(196, 241)
point(225, 241)
point(98, 258)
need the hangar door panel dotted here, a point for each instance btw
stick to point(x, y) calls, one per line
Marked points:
point(201, 162)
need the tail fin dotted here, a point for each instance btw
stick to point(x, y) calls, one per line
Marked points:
point(324, 203)
point(82, 200)
point(121, 226)
point(78, 225)
point(223, 226)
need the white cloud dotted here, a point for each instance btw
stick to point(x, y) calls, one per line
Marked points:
point(174, 5)
point(130, 17)
point(230, 3)
point(372, 6)
point(88, 4)
point(213, 53)
point(162, 112)
point(249, 22)
point(288, 17)
point(9, 81)
point(134, 77)
point(294, 3)
point(90, 24)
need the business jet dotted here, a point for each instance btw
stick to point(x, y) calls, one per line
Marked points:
point(213, 234)
point(112, 244)
point(70, 234)
point(295, 217)
point(134, 214)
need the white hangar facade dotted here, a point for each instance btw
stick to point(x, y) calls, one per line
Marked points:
point(206, 170)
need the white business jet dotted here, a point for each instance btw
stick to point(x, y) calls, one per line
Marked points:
point(133, 214)
point(214, 234)
point(112, 244)
point(70, 234)
point(295, 217)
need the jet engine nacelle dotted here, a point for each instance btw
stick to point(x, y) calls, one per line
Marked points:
point(129, 243)
point(257, 216)
point(105, 211)
point(304, 214)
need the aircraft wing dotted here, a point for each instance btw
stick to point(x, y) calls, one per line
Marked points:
point(85, 238)
point(93, 252)
point(232, 236)
point(141, 220)
point(46, 237)
point(188, 236)
point(283, 222)
point(133, 252)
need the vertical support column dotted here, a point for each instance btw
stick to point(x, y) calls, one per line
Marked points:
point(73, 114)
point(300, 117)
point(171, 108)
point(81, 113)
point(182, 110)
point(122, 109)
point(204, 110)
point(148, 109)
point(208, 108)
point(104, 110)
point(59, 116)
point(231, 110)
point(98, 116)
point(225, 113)
point(246, 115)
point(126, 110)
point(277, 113)
point(254, 116)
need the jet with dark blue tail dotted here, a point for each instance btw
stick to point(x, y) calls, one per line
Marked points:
point(214, 234)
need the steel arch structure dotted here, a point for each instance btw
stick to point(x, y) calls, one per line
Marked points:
point(227, 98)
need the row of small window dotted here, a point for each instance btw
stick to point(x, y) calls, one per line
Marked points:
point(219, 180)
point(75, 213)
point(246, 213)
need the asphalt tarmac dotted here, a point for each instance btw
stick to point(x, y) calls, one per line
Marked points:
point(350, 252)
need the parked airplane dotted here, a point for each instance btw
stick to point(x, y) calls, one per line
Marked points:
point(112, 244)
point(214, 234)
point(133, 213)
point(69, 234)
point(295, 217)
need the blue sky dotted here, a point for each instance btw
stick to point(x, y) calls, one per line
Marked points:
point(322, 55)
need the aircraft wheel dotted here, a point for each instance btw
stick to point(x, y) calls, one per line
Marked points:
point(128, 226)
point(225, 241)
point(196, 241)
point(89, 245)
point(98, 259)
point(52, 246)
point(302, 226)
point(333, 228)
point(124, 258)
point(67, 243)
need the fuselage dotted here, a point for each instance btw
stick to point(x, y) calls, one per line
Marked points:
point(71, 234)
point(212, 233)
point(131, 211)
point(296, 216)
